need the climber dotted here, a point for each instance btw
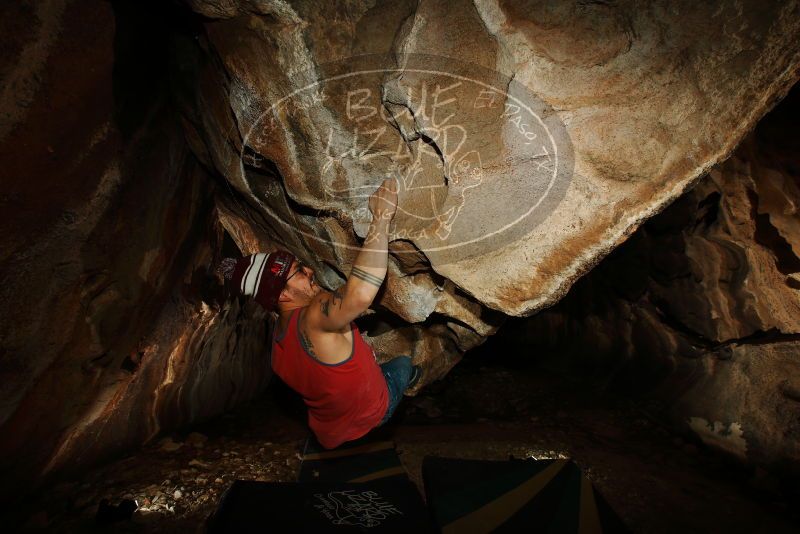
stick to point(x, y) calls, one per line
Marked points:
point(316, 348)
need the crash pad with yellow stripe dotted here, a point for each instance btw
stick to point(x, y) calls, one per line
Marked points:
point(467, 496)
point(359, 461)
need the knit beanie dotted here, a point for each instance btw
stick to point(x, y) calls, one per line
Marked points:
point(262, 276)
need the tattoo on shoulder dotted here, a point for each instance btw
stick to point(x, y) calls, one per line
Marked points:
point(305, 341)
point(367, 277)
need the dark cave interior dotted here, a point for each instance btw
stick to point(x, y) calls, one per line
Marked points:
point(668, 372)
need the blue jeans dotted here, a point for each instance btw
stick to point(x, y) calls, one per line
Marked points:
point(397, 373)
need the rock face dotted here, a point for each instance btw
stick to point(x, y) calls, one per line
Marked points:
point(647, 100)
point(111, 329)
point(530, 140)
point(701, 307)
point(625, 106)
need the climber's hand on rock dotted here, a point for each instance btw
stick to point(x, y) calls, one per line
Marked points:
point(383, 202)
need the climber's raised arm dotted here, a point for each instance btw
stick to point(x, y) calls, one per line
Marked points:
point(333, 312)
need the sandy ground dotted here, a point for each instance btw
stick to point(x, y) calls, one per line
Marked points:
point(657, 482)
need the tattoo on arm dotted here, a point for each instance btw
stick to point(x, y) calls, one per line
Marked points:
point(367, 277)
point(335, 299)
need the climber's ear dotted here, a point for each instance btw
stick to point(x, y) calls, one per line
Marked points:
point(284, 296)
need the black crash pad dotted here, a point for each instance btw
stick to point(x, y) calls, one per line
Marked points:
point(377, 506)
point(514, 496)
point(360, 461)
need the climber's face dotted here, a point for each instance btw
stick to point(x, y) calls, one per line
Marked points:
point(301, 286)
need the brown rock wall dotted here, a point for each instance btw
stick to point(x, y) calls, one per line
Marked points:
point(112, 328)
point(698, 311)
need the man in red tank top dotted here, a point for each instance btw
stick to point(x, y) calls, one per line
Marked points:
point(317, 349)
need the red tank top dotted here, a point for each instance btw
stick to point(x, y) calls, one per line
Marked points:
point(345, 400)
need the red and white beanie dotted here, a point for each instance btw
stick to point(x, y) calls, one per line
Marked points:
point(262, 276)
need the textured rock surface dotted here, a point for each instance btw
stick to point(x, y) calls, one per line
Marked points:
point(651, 97)
point(110, 329)
point(702, 305)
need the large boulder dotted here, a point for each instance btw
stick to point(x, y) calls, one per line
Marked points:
point(530, 138)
